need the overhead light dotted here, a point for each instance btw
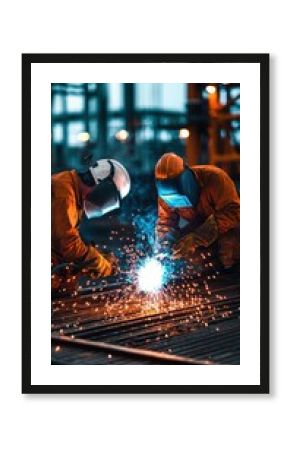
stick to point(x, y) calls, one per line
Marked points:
point(122, 135)
point(210, 89)
point(184, 133)
point(84, 136)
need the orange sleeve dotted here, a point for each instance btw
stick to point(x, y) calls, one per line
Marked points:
point(167, 221)
point(226, 202)
point(67, 240)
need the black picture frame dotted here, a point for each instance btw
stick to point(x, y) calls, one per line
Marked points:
point(27, 61)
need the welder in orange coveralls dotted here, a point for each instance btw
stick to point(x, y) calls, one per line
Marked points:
point(95, 193)
point(205, 199)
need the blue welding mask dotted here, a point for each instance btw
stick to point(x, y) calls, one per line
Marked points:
point(181, 191)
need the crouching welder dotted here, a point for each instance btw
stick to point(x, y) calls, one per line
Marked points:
point(202, 198)
point(95, 192)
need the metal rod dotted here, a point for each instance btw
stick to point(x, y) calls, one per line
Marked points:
point(141, 353)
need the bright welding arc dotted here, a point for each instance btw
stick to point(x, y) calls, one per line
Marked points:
point(150, 275)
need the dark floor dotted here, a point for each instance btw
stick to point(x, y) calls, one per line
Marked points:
point(192, 322)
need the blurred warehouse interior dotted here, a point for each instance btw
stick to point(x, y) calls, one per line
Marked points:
point(137, 123)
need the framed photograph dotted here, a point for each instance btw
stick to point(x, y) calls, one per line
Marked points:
point(145, 223)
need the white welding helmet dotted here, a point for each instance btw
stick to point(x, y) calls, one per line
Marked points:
point(112, 185)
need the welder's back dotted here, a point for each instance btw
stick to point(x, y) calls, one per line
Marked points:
point(66, 212)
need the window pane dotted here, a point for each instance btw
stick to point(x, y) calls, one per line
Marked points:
point(165, 96)
point(174, 96)
point(75, 103)
point(57, 133)
point(74, 129)
point(57, 104)
point(223, 95)
point(234, 92)
point(147, 95)
point(115, 94)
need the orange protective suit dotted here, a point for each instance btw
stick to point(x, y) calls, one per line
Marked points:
point(218, 197)
point(66, 212)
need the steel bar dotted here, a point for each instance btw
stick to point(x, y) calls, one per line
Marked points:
point(142, 353)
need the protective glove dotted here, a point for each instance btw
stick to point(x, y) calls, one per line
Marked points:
point(168, 240)
point(102, 266)
point(106, 266)
point(114, 263)
point(203, 236)
point(185, 247)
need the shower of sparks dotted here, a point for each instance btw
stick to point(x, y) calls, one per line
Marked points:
point(151, 275)
point(153, 285)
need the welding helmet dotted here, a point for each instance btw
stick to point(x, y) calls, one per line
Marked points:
point(111, 184)
point(181, 191)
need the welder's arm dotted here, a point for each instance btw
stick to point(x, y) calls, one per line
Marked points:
point(203, 236)
point(68, 242)
point(167, 223)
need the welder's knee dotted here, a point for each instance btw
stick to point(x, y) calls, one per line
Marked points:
point(229, 248)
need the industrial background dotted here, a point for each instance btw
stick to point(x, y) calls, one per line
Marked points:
point(136, 124)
